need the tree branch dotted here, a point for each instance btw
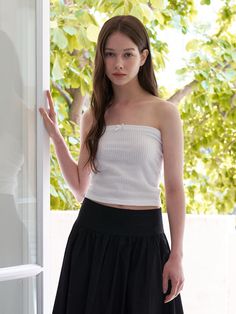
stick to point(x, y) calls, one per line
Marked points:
point(76, 105)
point(61, 91)
point(180, 94)
point(68, 2)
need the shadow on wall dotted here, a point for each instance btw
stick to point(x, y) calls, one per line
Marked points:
point(12, 229)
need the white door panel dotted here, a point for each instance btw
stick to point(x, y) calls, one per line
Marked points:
point(24, 156)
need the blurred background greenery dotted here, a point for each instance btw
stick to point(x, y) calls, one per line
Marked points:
point(204, 88)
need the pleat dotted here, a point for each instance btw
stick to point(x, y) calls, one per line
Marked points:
point(104, 273)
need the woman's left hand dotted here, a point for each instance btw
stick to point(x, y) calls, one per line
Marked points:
point(173, 271)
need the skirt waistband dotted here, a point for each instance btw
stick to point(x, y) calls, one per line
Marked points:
point(120, 221)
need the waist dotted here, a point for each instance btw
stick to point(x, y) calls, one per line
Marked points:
point(135, 207)
point(123, 221)
point(126, 195)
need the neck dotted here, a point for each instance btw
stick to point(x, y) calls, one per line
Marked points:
point(127, 94)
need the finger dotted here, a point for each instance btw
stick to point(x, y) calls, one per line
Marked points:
point(175, 290)
point(179, 287)
point(50, 101)
point(52, 114)
point(172, 293)
point(42, 111)
point(165, 282)
point(45, 115)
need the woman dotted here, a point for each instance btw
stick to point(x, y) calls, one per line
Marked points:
point(117, 259)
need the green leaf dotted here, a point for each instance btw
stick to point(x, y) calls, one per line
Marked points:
point(53, 24)
point(73, 43)
point(230, 74)
point(57, 72)
point(160, 17)
point(119, 10)
point(233, 54)
point(59, 38)
point(220, 76)
point(53, 191)
point(160, 4)
point(147, 12)
point(136, 11)
point(192, 45)
point(83, 41)
point(70, 30)
point(207, 2)
point(181, 71)
point(92, 32)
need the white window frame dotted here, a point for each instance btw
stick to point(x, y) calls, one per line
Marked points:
point(43, 153)
point(41, 269)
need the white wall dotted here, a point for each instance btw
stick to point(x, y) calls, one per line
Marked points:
point(209, 260)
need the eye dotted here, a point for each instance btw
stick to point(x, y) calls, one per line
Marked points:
point(109, 54)
point(128, 54)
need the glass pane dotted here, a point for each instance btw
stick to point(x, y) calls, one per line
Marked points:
point(18, 296)
point(17, 133)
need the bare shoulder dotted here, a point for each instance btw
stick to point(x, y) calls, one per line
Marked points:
point(167, 113)
point(164, 106)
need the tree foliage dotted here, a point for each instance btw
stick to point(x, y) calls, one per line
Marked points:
point(206, 100)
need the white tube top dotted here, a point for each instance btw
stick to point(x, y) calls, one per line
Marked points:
point(130, 160)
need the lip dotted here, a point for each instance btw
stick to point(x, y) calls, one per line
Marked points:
point(118, 74)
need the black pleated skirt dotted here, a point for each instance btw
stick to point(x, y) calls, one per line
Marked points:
point(113, 263)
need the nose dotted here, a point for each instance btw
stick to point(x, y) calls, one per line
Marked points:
point(119, 64)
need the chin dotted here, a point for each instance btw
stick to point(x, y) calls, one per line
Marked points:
point(120, 83)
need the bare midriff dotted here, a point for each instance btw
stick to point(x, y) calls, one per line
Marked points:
point(128, 206)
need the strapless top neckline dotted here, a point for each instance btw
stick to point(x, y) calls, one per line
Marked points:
point(134, 126)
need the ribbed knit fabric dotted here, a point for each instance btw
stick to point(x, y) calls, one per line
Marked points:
point(130, 160)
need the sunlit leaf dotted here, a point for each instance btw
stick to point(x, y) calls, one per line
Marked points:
point(92, 32)
point(57, 72)
point(59, 38)
point(70, 30)
point(192, 45)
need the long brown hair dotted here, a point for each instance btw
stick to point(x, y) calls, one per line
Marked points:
point(102, 88)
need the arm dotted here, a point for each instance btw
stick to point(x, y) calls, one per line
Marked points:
point(68, 166)
point(172, 137)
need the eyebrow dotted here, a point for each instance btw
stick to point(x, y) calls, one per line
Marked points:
point(123, 49)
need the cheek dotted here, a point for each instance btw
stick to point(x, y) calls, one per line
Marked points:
point(133, 63)
point(108, 64)
point(134, 66)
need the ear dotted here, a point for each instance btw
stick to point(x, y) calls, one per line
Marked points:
point(144, 55)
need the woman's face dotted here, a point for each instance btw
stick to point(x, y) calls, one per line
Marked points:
point(121, 56)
